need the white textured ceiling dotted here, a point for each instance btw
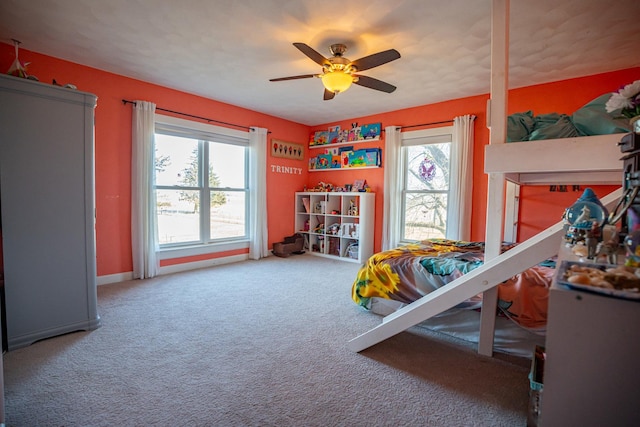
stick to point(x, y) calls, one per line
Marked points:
point(228, 50)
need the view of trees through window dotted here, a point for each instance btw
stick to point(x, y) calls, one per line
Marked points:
point(425, 191)
point(189, 178)
point(190, 174)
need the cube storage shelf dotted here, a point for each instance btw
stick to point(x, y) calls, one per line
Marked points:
point(336, 224)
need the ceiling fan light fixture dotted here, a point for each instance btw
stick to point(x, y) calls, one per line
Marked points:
point(337, 81)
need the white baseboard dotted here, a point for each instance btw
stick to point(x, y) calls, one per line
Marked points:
point(114, 278)
point(123, 277)
point(202, 264)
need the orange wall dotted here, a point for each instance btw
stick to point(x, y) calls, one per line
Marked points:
point(113, 149)
point(540, 208)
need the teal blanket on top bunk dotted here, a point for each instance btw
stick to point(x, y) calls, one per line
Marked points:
point(591, 119)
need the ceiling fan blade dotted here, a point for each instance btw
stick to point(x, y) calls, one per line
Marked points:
point(328, 95)
point(372, 83)
point(311, 53)
point(303, 76)
point(376, 59)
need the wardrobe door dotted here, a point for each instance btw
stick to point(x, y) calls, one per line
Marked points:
point(46, 185)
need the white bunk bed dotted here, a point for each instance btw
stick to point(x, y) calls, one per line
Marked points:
point(593, 160)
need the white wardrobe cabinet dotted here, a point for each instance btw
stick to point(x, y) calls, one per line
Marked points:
point(47, 209)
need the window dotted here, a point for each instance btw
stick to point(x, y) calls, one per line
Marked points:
point(425, 165)
point(201, 183)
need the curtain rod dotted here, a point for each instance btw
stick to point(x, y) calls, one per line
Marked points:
point(425, 124)
point(125, 102)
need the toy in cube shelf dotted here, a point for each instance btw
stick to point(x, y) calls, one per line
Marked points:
point(334, 247)
point(353, 208)
point(352, 250)
point(349, 229)
point(334, 228)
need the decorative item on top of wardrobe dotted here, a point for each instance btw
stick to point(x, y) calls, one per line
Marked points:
point(18, 68)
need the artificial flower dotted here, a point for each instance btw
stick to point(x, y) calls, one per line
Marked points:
point(626, 100)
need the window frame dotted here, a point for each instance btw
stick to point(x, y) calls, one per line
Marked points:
point(204, 132)
point(415, 138)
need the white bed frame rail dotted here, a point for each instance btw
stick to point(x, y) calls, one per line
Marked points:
point(578, 160)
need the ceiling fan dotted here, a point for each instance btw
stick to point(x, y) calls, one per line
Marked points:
point(338, 72)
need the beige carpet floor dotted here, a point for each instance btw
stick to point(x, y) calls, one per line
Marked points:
point(256, 343)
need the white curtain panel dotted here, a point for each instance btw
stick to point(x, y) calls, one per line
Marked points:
point(258, 246)
point(392, 182)
point(144, 227)
point(461, 190)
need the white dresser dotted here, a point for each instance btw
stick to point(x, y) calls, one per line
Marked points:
point(591, 373)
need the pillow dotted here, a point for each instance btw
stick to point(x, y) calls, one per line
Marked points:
point(552, 126)
point(519, 126)
point(593, 119)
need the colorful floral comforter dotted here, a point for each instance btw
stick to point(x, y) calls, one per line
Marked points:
point(409, 272)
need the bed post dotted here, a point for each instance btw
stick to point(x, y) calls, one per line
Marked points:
point(497, 114)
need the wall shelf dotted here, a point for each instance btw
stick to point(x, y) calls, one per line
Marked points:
point(344, 169)
point(351, 159)
point(337, 144)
